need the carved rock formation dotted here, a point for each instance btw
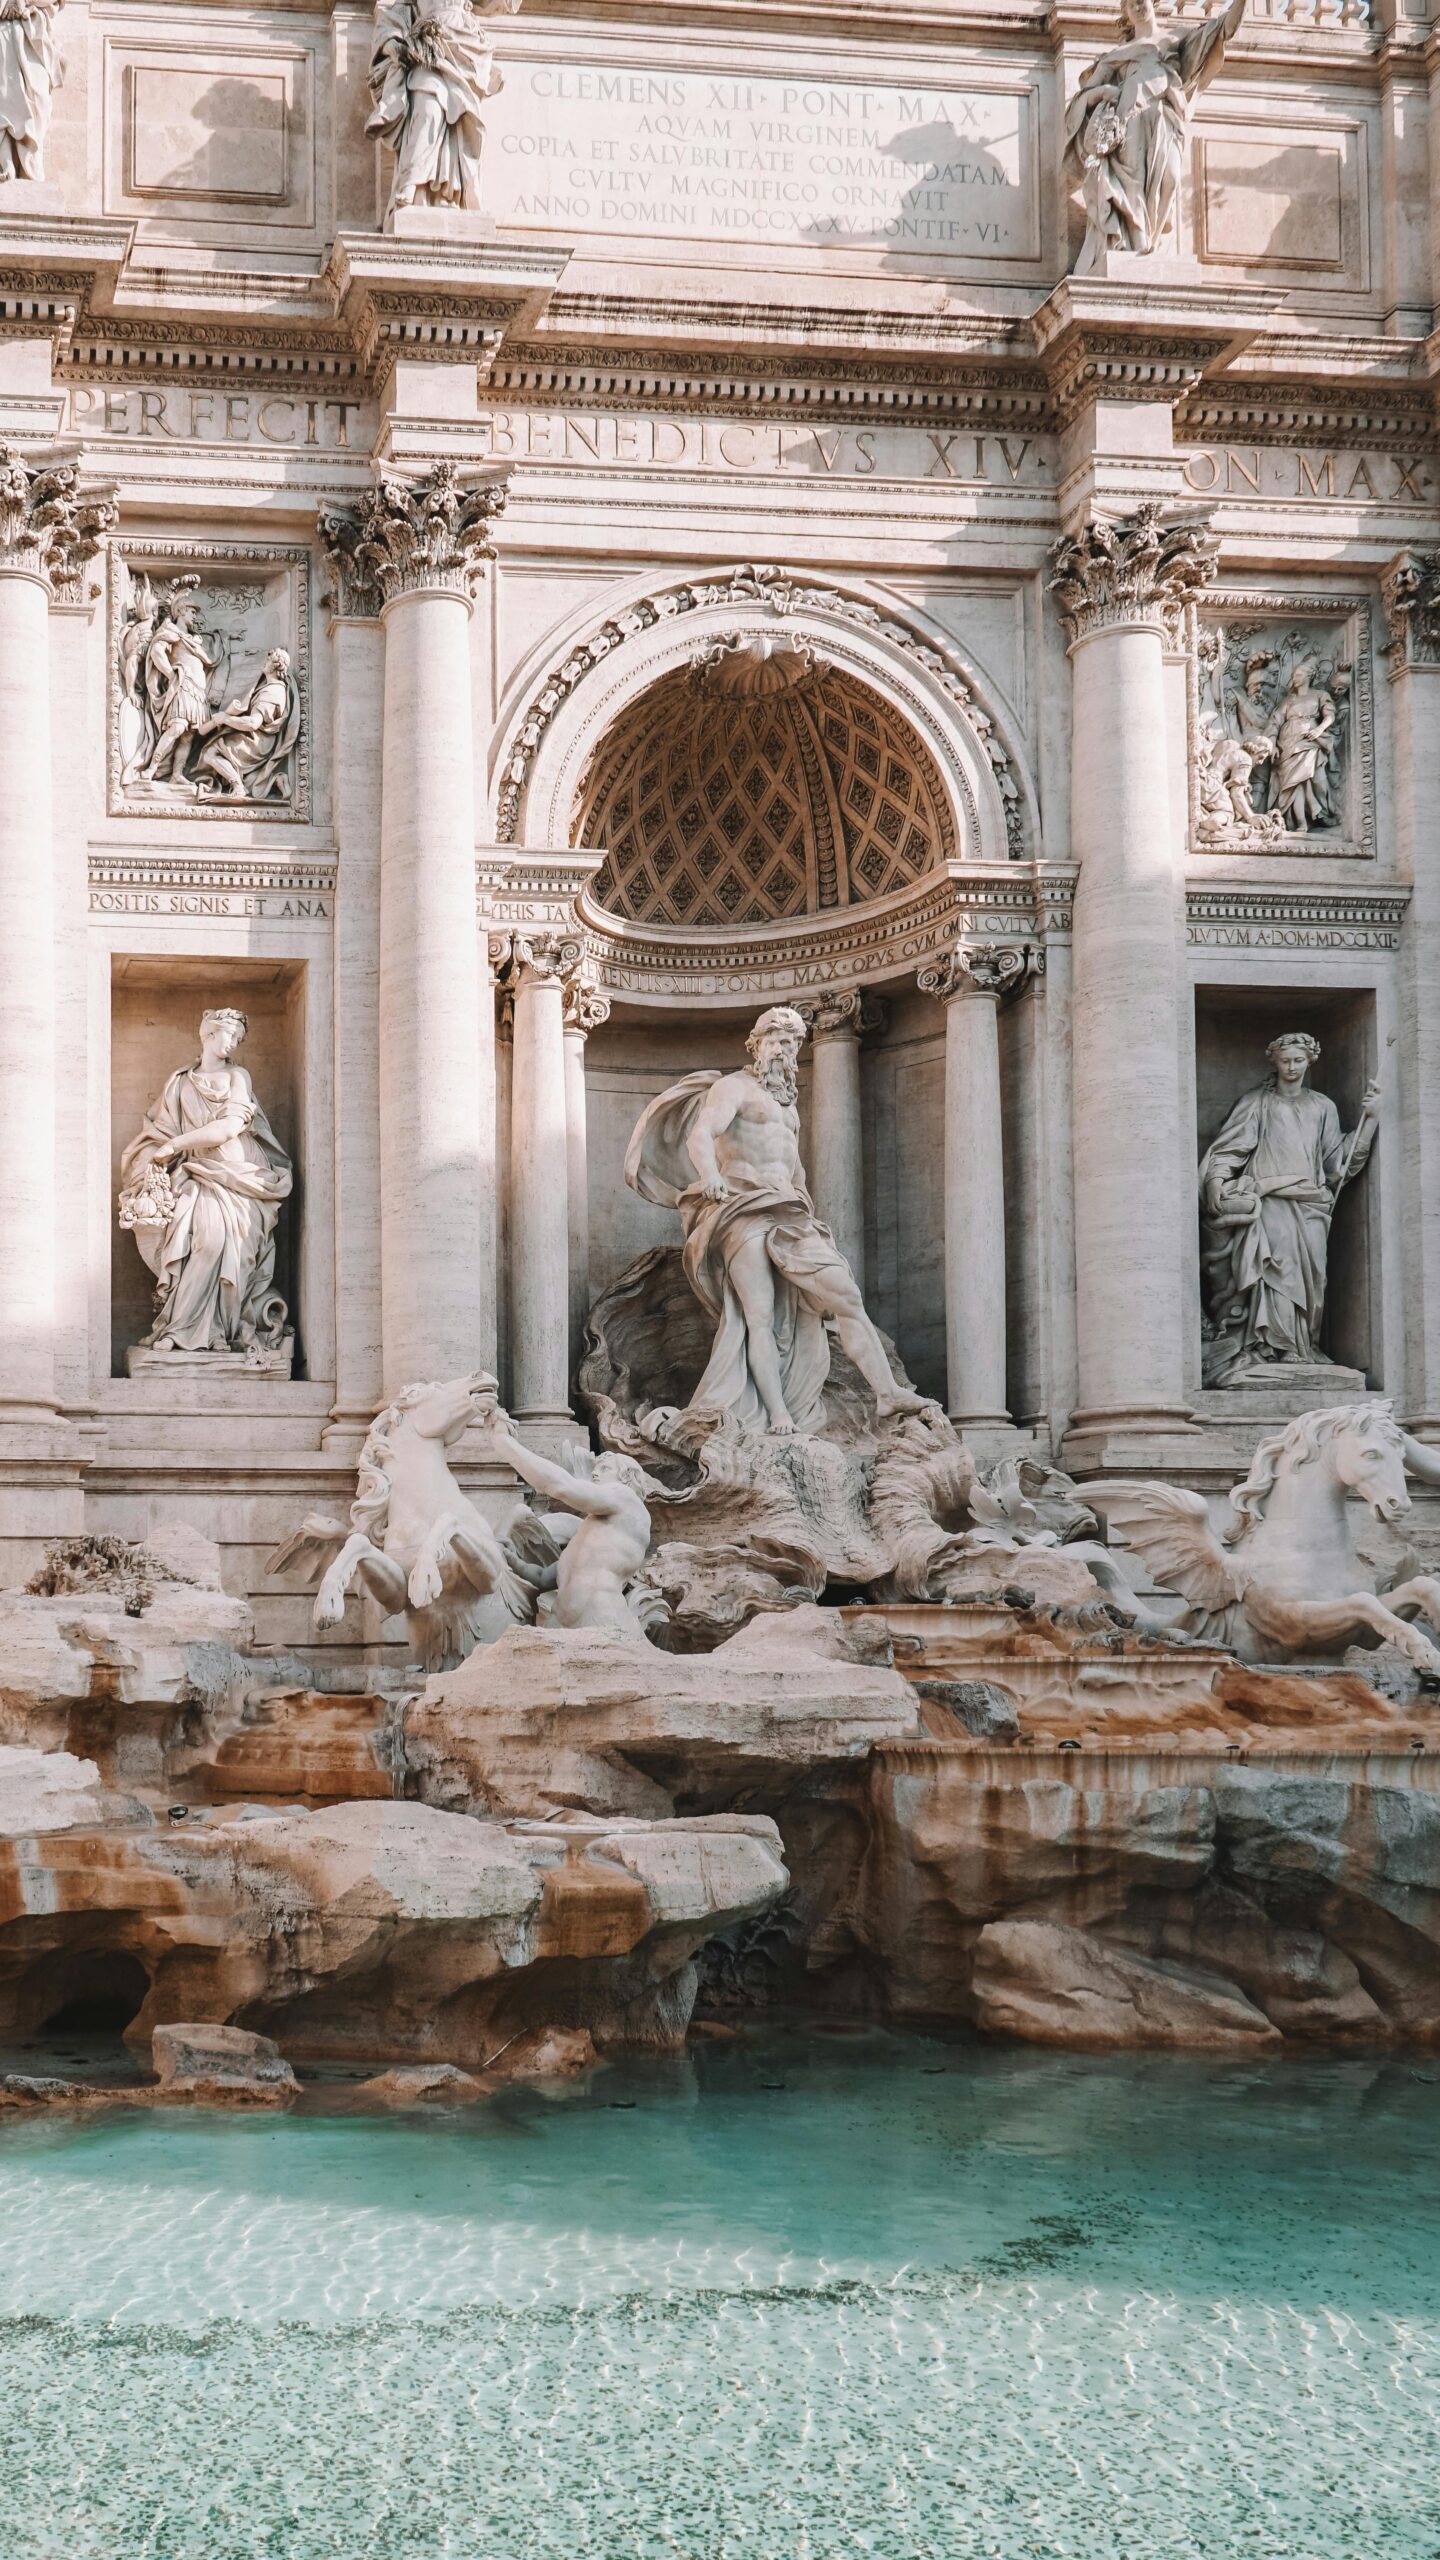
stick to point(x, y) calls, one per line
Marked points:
point(544, 1720)
point(384, 1931)
point(1196, 1902)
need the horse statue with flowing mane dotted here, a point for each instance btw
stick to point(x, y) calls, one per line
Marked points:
point(1287, 1580)
point(416, 1542)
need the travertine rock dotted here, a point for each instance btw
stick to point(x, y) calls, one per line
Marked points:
point(221, 2066)
point(42, 1791)
point(386, 1930)
point(422, 2084)
point(1309, 1893)
point(584, 1718)
point(1054, 1985)
point(78, 1673)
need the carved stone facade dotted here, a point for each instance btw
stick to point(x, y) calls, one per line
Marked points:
point(504, 618)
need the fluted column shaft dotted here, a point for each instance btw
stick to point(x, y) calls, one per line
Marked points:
point(429, 994)
point(972, 982)
point(540, 1190)
point(1134, 1166)
point(585, 1010)
point(358, 729)
point(837, 1136)
point(417, 549)
point(27, 1001)
point(1411, 1122)
point(47, 534)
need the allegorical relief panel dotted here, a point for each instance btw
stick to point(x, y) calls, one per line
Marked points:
point(1280, 726)
point(209, 703)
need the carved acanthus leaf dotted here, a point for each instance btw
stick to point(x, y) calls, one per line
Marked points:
point(48, 524)
point(406, 535)
point(586, 1007)
point(1140, 568)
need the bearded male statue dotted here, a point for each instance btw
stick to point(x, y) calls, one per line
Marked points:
point(725, 1151)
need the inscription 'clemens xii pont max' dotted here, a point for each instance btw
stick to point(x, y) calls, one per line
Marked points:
point(769, 160)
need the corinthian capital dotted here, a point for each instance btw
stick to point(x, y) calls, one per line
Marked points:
point(1410, 593)
point(976, 968)
point(1139, 568)
point(49, 527)
point(406, 535)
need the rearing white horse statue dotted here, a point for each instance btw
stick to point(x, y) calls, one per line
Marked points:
point(1287, 1579)
point(415, 1541)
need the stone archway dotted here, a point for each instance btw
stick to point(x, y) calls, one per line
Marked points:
point(555, 737)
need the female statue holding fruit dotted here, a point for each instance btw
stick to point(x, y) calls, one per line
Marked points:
point(200, 1189)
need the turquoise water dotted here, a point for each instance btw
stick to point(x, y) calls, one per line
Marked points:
point(807, 2297)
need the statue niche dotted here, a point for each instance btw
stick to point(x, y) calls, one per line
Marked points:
point(1269, 1183)
point(201, 1188)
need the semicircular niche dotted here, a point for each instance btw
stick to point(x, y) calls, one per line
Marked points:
point(756, 783)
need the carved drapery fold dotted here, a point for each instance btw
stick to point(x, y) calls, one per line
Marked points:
point(405, 536)
point(49, 526)
point(1127, 569)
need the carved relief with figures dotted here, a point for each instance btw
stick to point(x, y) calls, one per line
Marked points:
point(1281, 728)
point(209, 679)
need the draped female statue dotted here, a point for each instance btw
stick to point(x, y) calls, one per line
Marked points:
point(29, 74)
point(1127, 124)
point(200, 1189)
point(432, 69)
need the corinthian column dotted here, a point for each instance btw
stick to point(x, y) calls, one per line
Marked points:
point(1119, 586)
point(1411, 593)
point(972, 981)
point(48, 531)
point(540, 1176)
point(421, 547)
point(837, 1142)
point(585, 1010)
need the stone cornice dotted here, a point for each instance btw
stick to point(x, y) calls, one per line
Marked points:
point(815, 958)
point(435, 301)
point(1099, 337)
point(1241, 915)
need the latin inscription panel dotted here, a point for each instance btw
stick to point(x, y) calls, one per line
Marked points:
point(774, 163)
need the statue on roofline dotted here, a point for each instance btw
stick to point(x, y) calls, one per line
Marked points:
point(1127, 126)
point(432, 70)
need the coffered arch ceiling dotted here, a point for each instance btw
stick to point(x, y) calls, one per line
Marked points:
point(758, 782)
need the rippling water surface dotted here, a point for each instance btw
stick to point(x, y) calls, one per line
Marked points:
point(804, 2298)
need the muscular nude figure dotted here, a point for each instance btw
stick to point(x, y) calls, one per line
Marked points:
point(607, 1539)
point(725, 1152)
